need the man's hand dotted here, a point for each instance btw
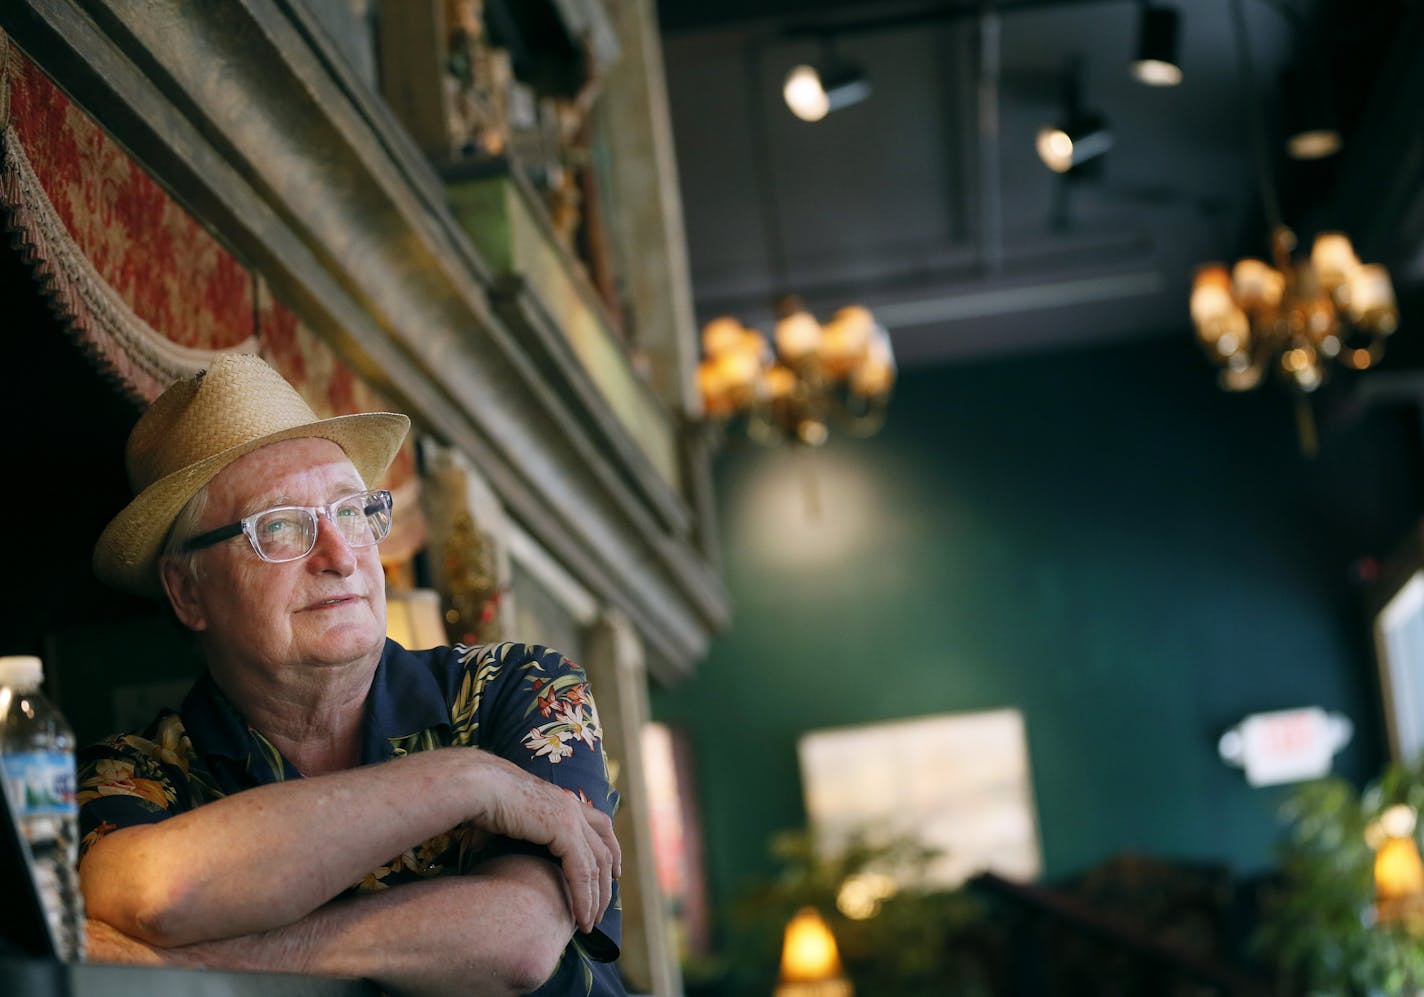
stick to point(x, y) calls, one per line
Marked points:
point(414, 939)
point(247, 863)
point(519, 805)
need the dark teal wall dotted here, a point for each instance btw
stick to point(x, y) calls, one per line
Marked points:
point(1102, 539)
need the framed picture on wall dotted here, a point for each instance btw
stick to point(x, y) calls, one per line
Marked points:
point(1398, 618)
point(959, 783)
point(676, 821)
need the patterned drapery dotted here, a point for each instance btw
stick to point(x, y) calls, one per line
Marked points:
point(147, 292)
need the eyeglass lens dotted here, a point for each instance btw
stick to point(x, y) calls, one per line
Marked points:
point(287, 534)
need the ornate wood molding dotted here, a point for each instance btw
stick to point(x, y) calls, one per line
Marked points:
point(244, 112)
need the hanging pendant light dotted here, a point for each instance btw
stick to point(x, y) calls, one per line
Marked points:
point(1156, 64)
point(1299, 316)
point(840, 372)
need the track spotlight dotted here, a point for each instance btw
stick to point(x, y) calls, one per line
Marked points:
point(813, 92)
point(1311, 129)
point(1314, 143)
point(1071, 144)
point(1156, 63)
point(1079, 135)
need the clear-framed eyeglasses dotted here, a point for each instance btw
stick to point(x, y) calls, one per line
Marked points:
point(289, 532)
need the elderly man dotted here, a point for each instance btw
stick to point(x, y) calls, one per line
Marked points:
point(314, 805)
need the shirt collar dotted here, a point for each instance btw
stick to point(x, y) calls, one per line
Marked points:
point(212, 721)
point(405, 698)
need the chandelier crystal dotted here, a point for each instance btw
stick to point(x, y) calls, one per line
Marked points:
point(841, 371)
point(1298, 315)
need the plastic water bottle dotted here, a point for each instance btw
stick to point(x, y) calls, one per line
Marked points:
point(37, 761)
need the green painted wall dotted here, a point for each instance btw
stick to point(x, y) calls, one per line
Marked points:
point(1102, 539)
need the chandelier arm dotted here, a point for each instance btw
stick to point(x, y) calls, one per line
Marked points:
point(866, 419)
point(763, 428)
point(1305, 425)
point(1265, 346)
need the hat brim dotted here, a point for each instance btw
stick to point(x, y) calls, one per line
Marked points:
point(126, 555)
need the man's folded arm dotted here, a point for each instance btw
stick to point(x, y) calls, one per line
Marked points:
point(269, 856)
point(500, 930)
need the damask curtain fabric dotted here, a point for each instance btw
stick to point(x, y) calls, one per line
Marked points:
point(148, 293)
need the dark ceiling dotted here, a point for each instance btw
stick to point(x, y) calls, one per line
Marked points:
point(943, 219)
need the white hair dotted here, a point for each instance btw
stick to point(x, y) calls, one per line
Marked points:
point(185, 527)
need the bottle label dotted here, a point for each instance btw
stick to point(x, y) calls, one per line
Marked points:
point(39, 783)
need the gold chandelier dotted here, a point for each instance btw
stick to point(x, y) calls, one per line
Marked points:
point(1295, 315)
point(842, 371)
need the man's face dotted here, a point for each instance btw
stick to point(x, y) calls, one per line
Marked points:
point(326, 609)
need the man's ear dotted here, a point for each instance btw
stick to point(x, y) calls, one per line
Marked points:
point(180, 585)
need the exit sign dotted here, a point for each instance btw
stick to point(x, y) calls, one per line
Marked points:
point(1285, 745)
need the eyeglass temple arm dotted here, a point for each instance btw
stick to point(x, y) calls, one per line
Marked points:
point(213, 536)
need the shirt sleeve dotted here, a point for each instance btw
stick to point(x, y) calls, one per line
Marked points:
point(541, 716)
point(133, 779)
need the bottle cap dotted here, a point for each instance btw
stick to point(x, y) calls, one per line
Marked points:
point(23, 672)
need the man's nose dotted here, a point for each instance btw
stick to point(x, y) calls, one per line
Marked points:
point(331, 552)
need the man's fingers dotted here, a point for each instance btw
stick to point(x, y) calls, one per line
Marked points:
point(576, 878)
point(600, 876)
point(589, 869)
point(605, 884)
point(604, 846)
point(591, 910)
point(615, 849)
point(579, 836)
point(586, 866)
point(603, 827)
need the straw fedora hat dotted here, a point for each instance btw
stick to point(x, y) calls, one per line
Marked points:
point(199, 426)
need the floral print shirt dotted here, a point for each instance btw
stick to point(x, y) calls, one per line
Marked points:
point(525, 703)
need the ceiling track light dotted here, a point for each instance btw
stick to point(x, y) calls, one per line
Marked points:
point(1314, 143)
point(814, 91)
point(1156, 64)
point(1312, 131)
point(1065, 147)
point(1079, 137)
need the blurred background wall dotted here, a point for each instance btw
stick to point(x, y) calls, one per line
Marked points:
point(1101, 538)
